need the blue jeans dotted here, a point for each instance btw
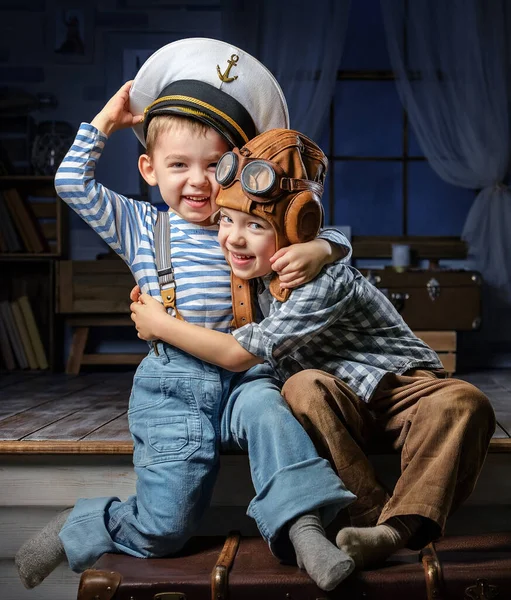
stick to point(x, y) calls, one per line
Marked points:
point(182, 411)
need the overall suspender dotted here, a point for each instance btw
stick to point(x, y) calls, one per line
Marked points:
point(164, 263)
point(242, 296)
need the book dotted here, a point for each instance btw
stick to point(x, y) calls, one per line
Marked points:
point(13, 335)
point(5, 347)
point(8, 228)
point(23, 334)
point(26, 221)
point(17, 220)
point(33, 331)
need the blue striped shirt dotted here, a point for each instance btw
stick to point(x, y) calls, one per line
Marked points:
point(203, 290)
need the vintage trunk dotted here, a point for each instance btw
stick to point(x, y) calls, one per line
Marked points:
point(432, 299)
point(475, 567)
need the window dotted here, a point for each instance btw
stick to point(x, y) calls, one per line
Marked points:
point(379, 182)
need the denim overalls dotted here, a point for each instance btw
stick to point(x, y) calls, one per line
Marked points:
point(182, 412)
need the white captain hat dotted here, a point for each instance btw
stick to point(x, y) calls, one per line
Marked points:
point(215, 82)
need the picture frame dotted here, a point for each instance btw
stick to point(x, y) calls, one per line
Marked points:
point(71, 32)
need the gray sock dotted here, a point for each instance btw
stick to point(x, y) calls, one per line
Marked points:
point(325, 564)
point(40, 555)
point(372, 545)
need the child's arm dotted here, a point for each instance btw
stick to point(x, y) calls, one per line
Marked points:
point(301, 263)
point(311, 309)
point(116, 113)
point(153, 323)
point(120, 221)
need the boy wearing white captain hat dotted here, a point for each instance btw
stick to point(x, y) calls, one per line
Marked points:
point(199, 98)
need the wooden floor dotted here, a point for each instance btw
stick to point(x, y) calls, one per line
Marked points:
point(64, 437)
point(46, 413)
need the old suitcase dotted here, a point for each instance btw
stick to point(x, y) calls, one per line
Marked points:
point(427, 299)
point(475, 567)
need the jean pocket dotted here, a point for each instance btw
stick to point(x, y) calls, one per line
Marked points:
point(167, 439)
point(170, 428)
point(168, 434)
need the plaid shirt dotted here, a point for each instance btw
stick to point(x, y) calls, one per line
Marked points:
point(339, 323)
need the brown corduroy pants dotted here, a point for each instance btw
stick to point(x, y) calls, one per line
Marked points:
point(442, 428)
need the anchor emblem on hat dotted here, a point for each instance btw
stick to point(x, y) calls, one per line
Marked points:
point(231, 63)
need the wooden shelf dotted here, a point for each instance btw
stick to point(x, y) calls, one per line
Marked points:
point(22, 256)
point(425, 247)
point(26, 178)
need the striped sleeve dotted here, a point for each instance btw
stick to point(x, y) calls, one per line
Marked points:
point(126, 225)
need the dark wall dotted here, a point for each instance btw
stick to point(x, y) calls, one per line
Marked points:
point(37, 56)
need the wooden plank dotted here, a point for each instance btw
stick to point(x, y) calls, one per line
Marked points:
point(44, 210)
point(15, 378)
point(49, 230)
point(58, 447)
point(103, 305)
point(95, 321)
point(62, 584)
point(440, 341)
point(77, 350)
point(64, 286)
point(500, 433)
point(426, 247)
point(21, 425)
point(112, 359)
point(116, 430)
point(500, 446)
point(81, 423)
point(448, 361)
point(17, 525)
point(33, 481)
point(48, 385)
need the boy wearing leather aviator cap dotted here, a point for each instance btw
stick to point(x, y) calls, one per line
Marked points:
point(182, 410)
point(355, 374)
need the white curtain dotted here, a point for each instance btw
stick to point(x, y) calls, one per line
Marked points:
point(301, 42)
point(453, 80)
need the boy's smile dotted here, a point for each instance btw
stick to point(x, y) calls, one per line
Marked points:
point(247, 242)
point(183, 166)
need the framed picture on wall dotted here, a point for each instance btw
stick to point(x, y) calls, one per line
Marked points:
point(71, 32)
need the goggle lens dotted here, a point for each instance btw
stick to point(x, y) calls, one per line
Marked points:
point(226, 168)
point(258, 177)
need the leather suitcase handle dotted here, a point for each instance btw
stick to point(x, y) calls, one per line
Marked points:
point(220, 573)
point(432, 572)
point(98, 585)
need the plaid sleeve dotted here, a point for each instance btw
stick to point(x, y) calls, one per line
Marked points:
point(311, 309)
point(334, 236)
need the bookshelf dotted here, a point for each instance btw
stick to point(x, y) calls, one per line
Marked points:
point(28, 262)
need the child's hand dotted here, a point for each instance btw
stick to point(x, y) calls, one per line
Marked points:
point(300, 263)
point(135, 294)
point(116, 114)
point(149, 316)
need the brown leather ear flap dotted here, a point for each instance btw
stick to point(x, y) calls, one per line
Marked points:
point(303, 218)
point(242, 301)
point(280, 294)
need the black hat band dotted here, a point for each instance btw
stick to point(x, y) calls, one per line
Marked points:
point(208, 104)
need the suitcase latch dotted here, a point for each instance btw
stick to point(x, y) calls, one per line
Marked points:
point(170, 596)
point(398, 299)
point(433, 288)
point(482, 590)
